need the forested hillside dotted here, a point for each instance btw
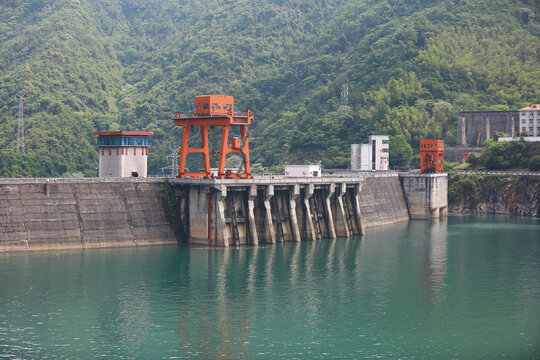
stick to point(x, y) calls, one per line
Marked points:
point(410, 65)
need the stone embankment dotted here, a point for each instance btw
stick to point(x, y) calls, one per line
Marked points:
point(494, 193)
point(50, 214)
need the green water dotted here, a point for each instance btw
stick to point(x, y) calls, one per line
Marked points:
point(466, 288)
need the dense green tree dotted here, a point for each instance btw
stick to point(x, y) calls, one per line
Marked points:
point(534, 163)
point(400, 151)
point(410, 66)
point(506, 155)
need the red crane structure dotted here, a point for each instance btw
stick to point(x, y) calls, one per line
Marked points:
point(431, 156)
point(212, 111)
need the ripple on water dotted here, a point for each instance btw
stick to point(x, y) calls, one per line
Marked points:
point(459, 289)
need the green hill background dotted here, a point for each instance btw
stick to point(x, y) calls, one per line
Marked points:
point(410, 66)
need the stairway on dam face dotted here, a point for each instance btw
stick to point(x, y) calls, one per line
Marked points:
point(50, 214)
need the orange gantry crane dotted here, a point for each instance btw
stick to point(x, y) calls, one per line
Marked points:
point(431, 156)
point(212, 111)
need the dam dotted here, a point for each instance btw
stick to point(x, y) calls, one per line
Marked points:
point(54, 214)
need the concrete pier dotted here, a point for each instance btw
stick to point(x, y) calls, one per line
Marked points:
point(426, 194)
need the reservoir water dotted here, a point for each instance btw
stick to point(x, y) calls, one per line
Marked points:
point(462, 288)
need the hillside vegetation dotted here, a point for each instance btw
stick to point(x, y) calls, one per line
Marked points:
point(410, 66)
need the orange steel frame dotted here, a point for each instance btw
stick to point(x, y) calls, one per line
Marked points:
point(431, 156)
point(212, 118)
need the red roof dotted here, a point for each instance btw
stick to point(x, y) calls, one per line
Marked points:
point(125, 133)
point(532, 107)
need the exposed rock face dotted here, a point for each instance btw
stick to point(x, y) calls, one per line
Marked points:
point(494, 194)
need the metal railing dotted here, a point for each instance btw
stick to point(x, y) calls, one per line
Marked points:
point(497, 172)
point(209, 114)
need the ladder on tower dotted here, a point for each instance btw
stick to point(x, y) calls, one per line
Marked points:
point(348, 214)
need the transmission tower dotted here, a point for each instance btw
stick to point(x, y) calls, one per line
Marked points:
point(173, 168)
point(345, 94)
point(20, 131)
point(345, 108)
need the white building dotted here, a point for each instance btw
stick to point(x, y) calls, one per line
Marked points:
point(361, 157)
point(371, 156)
point(303, 170)
point(123, 153)
point(529, 120)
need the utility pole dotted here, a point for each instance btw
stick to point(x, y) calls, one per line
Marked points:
point(20, 131)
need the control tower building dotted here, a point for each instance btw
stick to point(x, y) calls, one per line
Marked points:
point(123, 153)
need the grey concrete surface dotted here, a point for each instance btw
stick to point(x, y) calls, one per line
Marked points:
point(49, 214)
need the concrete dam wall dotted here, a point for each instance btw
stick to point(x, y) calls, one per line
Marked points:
point(382, 201)
point(41, 214)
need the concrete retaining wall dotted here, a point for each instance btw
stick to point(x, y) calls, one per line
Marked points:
point(62, 214)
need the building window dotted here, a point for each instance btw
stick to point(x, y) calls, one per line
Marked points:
point(523, 113)
point(385, 150)
point(530, 131)
point(385, 141)
point(523, 129)
point(523, 121)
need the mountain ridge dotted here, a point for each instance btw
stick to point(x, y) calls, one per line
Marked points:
point(105, 65)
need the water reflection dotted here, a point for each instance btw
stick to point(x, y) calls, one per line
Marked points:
point(437, 259)
point(401, 288)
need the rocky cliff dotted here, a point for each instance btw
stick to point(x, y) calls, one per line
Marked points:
point(494, 194)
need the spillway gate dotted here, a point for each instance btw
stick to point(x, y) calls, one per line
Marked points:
point(228, 212)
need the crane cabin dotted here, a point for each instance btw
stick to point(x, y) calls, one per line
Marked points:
point(214, 104)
